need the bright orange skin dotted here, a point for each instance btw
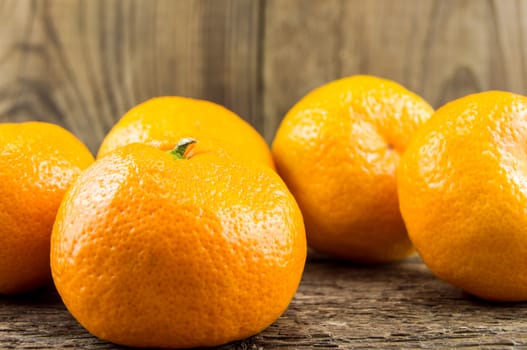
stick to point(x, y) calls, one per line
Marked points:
point(463, 194)
point(161, 122)
point(151, 251)
point(38, 161)
point(337, 149)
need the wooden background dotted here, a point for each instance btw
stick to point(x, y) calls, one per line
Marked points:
point(82, 64)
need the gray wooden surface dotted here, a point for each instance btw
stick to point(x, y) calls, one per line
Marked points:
point(338, 305)
point(82, 64)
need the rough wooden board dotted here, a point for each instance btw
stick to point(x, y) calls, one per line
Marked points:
point(82, 64)
point(338, 305)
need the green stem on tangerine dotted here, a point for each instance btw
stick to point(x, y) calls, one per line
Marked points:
point(179, 151)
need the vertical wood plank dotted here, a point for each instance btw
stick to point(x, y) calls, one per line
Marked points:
point(82, 63)
point(302, 41)
point(510, 18)
point(441, 49)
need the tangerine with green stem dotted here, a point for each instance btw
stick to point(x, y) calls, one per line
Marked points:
point(177, 249)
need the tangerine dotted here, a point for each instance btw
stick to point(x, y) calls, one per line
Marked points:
point(38, 162)
point(463, 194)
point(187, 249)
point(337, 149)
point(162, 121)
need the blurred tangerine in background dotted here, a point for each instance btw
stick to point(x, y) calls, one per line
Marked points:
point(161, 122)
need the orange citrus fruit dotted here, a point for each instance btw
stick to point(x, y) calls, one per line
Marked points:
point(161, 122)
point(153, 251)
point(38, 161)
point(463, 194)
point(337, 149)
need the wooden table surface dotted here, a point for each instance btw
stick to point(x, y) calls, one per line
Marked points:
point(338, 305)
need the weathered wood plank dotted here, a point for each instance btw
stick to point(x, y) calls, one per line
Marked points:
point(337, 305)
point(82, 64)
point(439, 49)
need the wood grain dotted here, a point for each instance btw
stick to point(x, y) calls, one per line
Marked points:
point(82, 64)
point(440, 49)
point(338, 305)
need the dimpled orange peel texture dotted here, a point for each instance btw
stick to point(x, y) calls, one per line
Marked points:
point(337, 149)
point(153, 251)
point(463, 194)
point(38, 161)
